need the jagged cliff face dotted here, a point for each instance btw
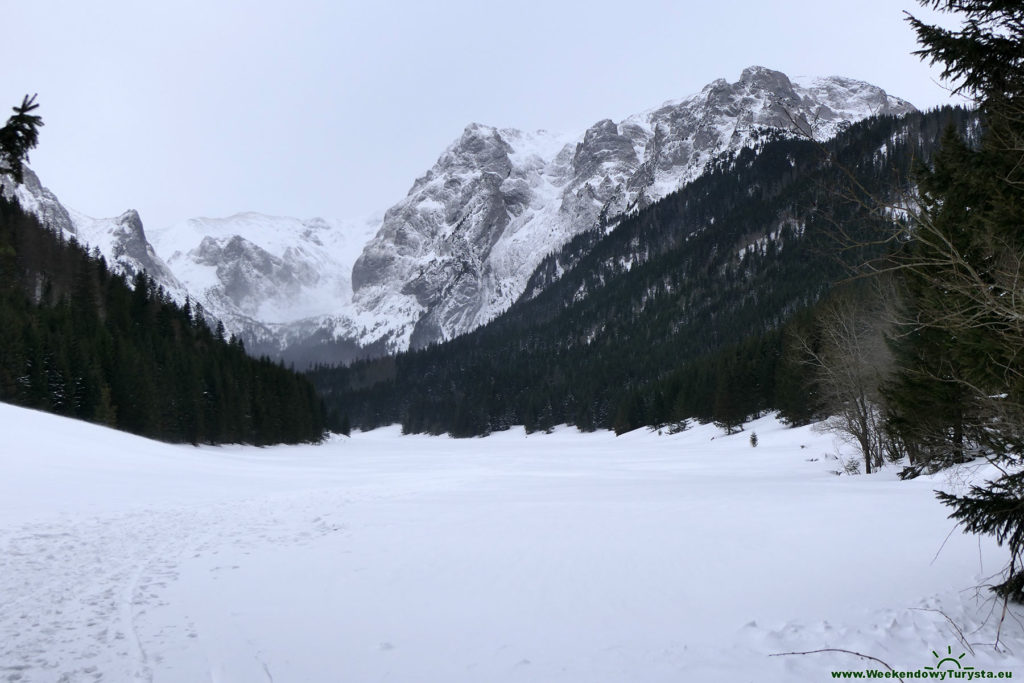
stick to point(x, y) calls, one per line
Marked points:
point(460, 247)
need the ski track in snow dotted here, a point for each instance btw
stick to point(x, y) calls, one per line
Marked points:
point(560, 557)
point(77, 592)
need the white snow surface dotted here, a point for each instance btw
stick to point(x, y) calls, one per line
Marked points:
point(548, 557)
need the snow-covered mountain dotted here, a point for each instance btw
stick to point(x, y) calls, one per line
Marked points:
point(460, 247)
point(270, 279)
point(274, 281)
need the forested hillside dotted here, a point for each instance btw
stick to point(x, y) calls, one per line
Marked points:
point(78, 341)
point(678, 312)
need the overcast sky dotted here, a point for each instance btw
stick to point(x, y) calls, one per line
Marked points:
point(309, 108)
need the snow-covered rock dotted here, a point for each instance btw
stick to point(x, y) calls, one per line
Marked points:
point(122, 241)
point(459, 249)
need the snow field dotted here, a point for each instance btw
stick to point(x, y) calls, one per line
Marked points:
point(548, 557)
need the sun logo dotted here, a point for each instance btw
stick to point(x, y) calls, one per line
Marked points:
point(953, 661)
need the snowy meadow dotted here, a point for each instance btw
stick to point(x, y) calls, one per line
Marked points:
point(542, 557)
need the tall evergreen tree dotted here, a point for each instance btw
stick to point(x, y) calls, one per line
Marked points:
point(18, 136)
point(969, 253)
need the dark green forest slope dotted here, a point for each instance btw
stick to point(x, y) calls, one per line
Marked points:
point(678, 312)
point(79, 341)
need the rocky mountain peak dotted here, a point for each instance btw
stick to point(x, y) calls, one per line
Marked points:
point(480, 148)
point(132, 223)
point(759, 78)
point(460, 247)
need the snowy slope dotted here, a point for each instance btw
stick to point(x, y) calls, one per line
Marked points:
point(38, 200)
point(561, 557)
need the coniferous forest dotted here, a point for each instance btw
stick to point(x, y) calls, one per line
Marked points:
point(77, 340)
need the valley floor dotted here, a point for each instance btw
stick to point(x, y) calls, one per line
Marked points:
point(549, 557)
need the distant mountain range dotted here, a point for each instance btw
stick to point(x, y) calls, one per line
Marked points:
point(461, 247)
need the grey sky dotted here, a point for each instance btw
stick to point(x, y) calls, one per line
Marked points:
point(312, 108)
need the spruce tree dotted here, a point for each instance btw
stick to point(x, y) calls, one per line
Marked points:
point(969, 252)
point(18, 136)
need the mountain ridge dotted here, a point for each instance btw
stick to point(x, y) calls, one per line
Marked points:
point(464, 243)
point(443, 264)
point(686, 310)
